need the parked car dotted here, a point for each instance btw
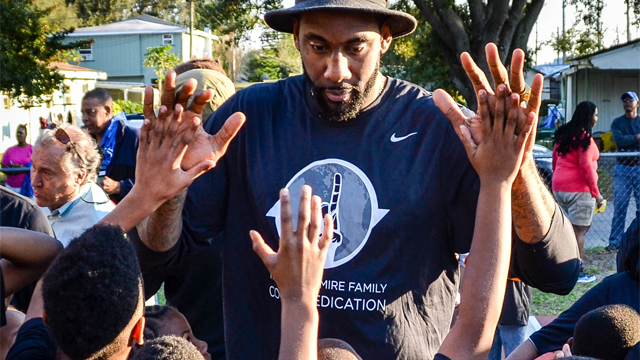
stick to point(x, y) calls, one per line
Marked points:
point(544, 160)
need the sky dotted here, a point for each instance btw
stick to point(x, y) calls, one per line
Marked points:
point(550, 20)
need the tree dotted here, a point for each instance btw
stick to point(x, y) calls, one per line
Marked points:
point(469, 25)
point(277, 59)
point(161, 59)
point(417, 57)
point(28, 45)
point(233, 21)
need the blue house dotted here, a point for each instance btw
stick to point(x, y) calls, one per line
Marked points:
point(119, 48)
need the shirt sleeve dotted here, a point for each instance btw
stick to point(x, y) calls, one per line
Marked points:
point(33, 342)
point(552, 264)
point(556, 334)
point(588, 171)
point(620, 137)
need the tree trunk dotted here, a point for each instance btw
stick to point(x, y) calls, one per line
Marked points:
point(507, 23)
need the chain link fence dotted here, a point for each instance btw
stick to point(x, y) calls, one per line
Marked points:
point(619, 170)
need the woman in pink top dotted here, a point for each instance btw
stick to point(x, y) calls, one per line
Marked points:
point(575, 176)
point(17, 156)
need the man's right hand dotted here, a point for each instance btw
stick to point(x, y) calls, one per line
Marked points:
point(203, 146)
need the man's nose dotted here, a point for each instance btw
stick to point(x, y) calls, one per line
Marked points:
point(337, 68)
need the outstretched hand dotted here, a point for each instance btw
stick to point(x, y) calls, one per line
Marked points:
point(160, 154)
point(202, 146)
point(498, 153)
point(514, 83)
point(298, 265)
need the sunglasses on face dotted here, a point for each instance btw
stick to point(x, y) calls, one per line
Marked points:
point(627, 100)
point(64, 138)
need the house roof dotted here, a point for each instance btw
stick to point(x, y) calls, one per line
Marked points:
point(143, 24)
point(551, 70)
point(77, 72)
point(636, 41)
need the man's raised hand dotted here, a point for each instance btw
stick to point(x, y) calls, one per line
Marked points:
point(203, 146)
point(498, 154)
point(298, 265)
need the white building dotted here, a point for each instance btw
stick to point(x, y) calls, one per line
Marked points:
point(65, 105)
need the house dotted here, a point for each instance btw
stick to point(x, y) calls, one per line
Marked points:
point(63, 105)
point(602, 77)
point(552, 86)
point(119, 49)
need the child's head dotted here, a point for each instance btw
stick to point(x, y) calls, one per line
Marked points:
point(336, 349)
point(92, 293)
point(167, 320)
point(168, 347)
point(607, 332)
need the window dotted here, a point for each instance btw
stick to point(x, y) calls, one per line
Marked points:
point(67, 95)
point(167, 39)
point(87, 54)
point(85, 88)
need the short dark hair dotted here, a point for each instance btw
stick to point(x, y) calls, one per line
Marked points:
point(607, 332)
point(100, 94)
point(155, 317)
point(168, 347)
point(336, 349)
point(92, 292)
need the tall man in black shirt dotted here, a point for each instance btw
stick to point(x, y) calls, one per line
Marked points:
point(405, 196)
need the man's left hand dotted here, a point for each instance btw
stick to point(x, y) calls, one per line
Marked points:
point(500, 76)
point(111, 186)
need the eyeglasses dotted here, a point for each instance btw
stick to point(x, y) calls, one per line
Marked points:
point(627, 100)
point(64, 138)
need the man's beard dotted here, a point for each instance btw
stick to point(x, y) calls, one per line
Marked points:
point(349, 109)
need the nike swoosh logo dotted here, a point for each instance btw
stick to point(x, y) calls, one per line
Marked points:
point(396, 139)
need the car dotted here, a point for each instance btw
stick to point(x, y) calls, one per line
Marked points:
point(544, 160)
point(134, 120)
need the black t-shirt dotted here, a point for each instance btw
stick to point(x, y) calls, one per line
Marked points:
point(20, 212)
point(405, 200)
point(33, 342)
point(615, 289)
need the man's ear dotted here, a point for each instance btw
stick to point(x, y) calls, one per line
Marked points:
point(109, 109)
point(138, 331)
point(296, 32)
point(44, 317)
point(385, 34)
point(80, 177)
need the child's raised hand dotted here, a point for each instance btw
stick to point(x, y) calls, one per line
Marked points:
point(298, 265)
point(498, 154)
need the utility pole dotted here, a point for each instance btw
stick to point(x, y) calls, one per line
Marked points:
point(628, 21)
point(564, 55)
point(191, 16)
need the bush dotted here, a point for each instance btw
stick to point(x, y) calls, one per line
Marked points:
point(127, 106)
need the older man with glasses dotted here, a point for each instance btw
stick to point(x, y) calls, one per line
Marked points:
point(626, 135)
point(65, 168)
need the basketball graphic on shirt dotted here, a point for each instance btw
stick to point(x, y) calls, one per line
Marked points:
point(347, 196)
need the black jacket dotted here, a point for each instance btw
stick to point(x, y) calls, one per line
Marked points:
point(123, 164)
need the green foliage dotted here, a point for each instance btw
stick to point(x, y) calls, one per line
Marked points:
point(417, 58)
point(277, 59)
point(161, 59)
point(233, 17)
point(127, 106)
point(27, 46)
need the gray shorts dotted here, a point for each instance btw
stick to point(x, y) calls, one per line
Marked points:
point(578, 206)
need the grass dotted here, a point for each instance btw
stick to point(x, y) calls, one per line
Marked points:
point(597, 261)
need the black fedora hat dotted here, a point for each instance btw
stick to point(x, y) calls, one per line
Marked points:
point(400, 23)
